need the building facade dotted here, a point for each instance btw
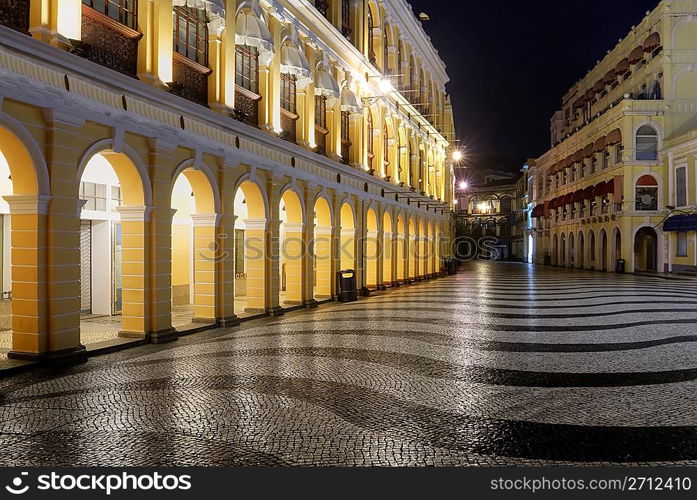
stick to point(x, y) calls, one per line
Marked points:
point(494, 208)
point(619, 183)
point(180, 164)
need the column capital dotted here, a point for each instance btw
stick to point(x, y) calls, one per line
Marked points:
point(256, 224)
point(294, 227)
point(205, 220)
point(134, 214)
point(31, 204)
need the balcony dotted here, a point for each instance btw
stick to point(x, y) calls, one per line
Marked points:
point(345, 151)
point(15, 14)
point(107, 42)
point(288, 125)
point(190, 79)
point(247, 106)
point(321, 139)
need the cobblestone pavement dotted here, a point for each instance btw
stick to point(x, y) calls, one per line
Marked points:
point(501, 364)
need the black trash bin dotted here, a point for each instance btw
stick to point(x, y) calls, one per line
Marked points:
point(346, 285)
point(452, 266)
point(620, 266)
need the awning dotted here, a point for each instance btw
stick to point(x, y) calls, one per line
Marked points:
point(622, 67)
point(214, 8)
point(578, 156)
point(636, 55)
point(599, 86)
point(652, 42)
point(687, 222)
point(610, 77)
point(588, 193)
point(251, 30)
point(610, 186)
point(614, 137)
point(588, 151)
point(590, 94)
point(577, 196)
point(349, 101)
point(600, 144)
point(325, 83)
point(293, 59)
point(599, 189)
point(580, 102)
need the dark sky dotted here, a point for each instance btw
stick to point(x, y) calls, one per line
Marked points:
point(510, 62)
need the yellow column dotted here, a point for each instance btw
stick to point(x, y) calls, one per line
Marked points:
point(134, 268)
point(155, 48)
point(225, 271)
point(293, 252)
point(28, 219)
point(270, 84)
point(255, 264)
point(371, 259)
point(323, 262)
point(160, 264)
point(387, 260)
point(205, 238)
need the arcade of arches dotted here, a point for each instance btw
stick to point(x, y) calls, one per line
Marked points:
point(130, 239)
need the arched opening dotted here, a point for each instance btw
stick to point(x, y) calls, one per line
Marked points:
point(646, 143)
point(422, 254)
point(431, 250)
point(193, 262)
point(591, 249)
point(581, 257)
point(112, 241)
point(562, 253)
point(250, 250)
point(388, 278)
point(555, 251)
point(323, 251)
point(292, 250)
point(412, 253)
point(402, 252)
point(347, 257)
point(22, 235)
point(603, 251)
point(618, 247)
point(646, 250)
point(372, 250)
point(572, 250)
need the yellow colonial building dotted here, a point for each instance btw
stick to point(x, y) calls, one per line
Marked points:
point(619, 183)
point(172, 165)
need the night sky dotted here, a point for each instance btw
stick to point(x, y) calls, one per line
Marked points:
point(510, 62)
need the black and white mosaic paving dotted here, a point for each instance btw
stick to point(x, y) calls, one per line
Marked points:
point(502, 364)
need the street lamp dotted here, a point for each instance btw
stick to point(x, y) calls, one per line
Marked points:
point(463, 185)
point(457, 156)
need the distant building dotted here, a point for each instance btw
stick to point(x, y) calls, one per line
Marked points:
point(492, 205)
point(617, 188)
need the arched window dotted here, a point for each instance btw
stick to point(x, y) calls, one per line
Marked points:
point(385, 148)
point(247, 67)
point(346, 18)
point(646, 193)
point(371, 140)
point(385, 51)
point(412, 80)
point(191, 34)
point(371, 42)
point(646, 143)
point(345, 136)
point(400, 76)
point(506, 205)
point(123, 11)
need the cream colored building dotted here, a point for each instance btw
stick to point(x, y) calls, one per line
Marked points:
point(623, 155)
point(182, 164)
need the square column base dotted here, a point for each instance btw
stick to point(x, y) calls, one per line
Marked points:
point(70, 356)
point(163, 336)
